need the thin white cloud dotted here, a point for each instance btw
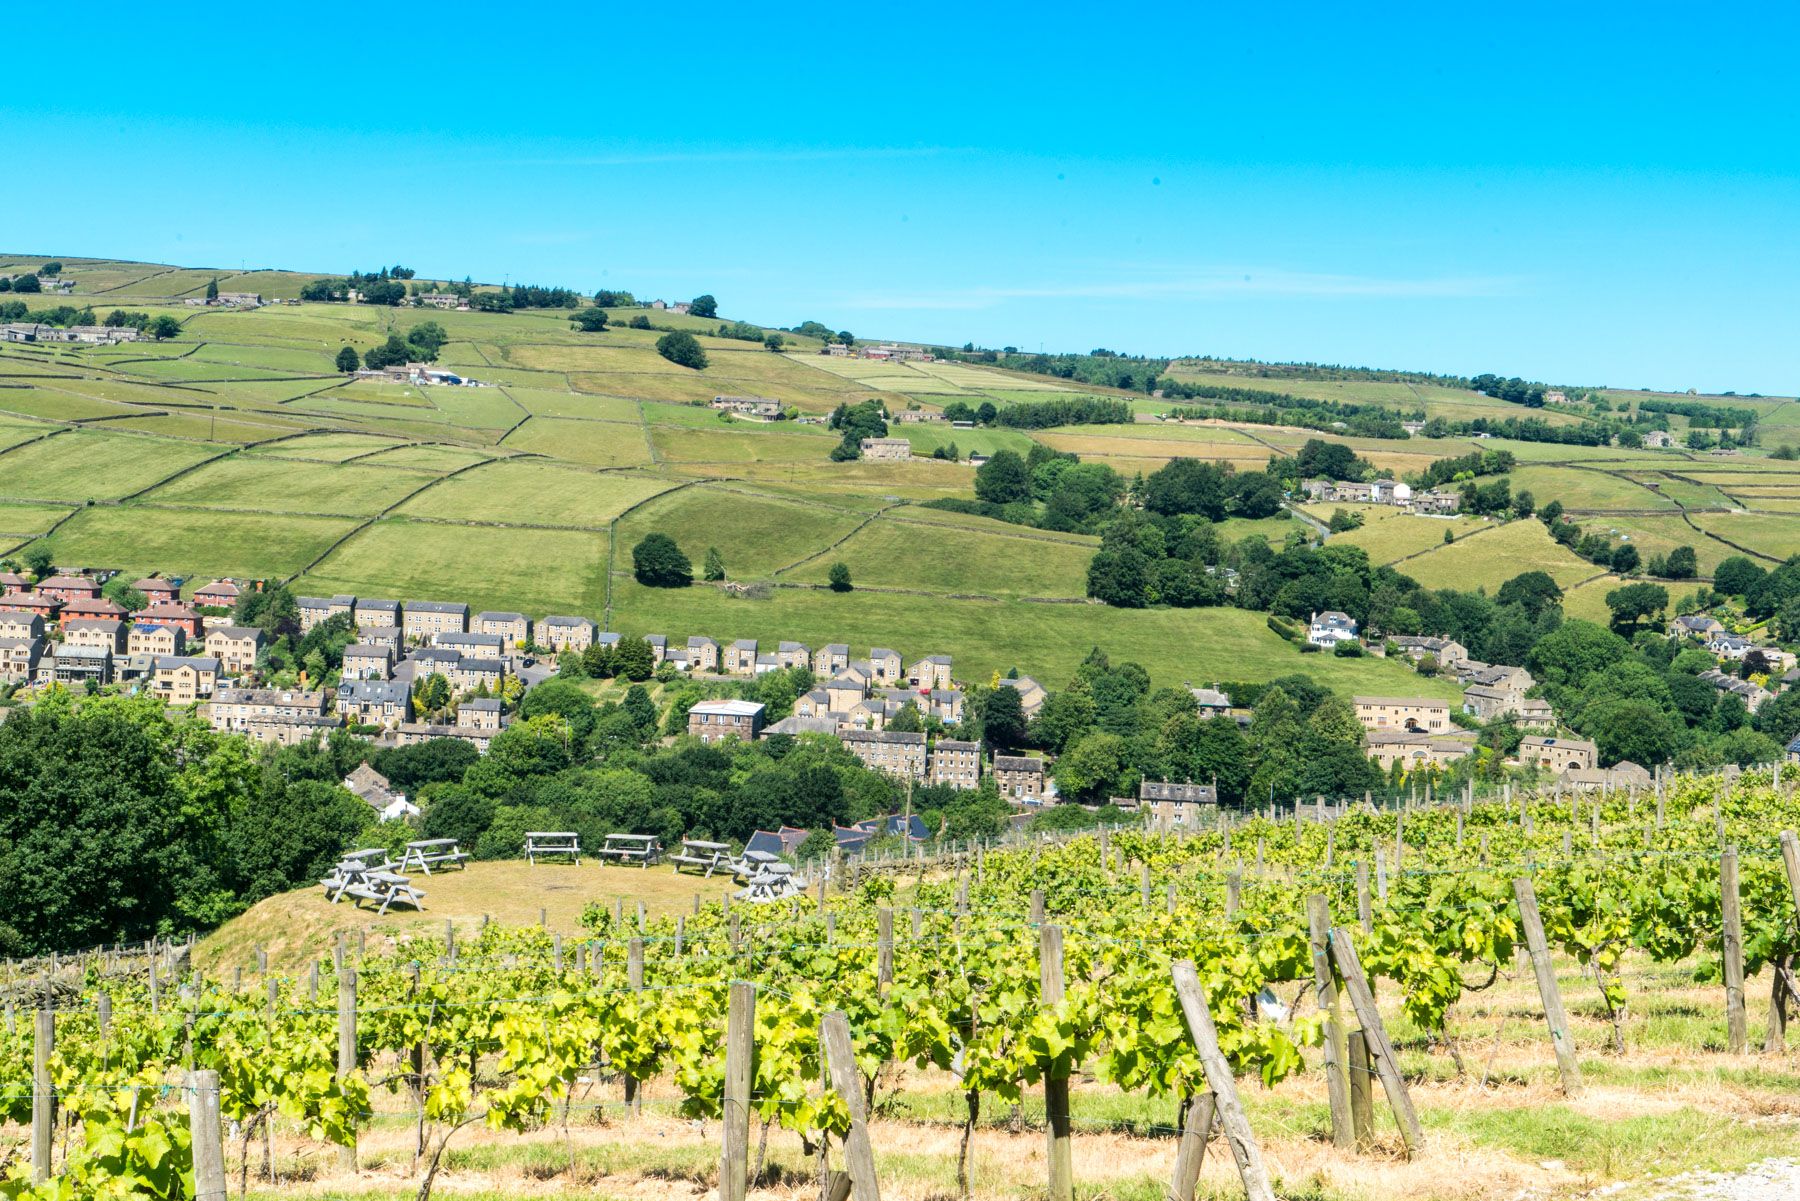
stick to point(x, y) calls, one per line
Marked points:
point(1213, 284)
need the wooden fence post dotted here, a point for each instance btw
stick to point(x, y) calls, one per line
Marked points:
point(1037, 906)
point(449, 940)
point(1330, 1004)
point(1362, 1091)
point(740, 1028)
point(1058, 1149)
point(43, 1098)
point(1190, 1153)
point(884, 953)
point(846, 1082)
point(1732, 944)
point(1224, 1086)
point(206, 1136)
point(346, 1056)
point(1387, 1064)
point(1365, 915)
point(1561, 1041)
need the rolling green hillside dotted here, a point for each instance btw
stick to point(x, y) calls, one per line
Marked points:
point(236, 448)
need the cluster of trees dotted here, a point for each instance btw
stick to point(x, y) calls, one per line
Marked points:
point(741, 331)
point(1466, 467)
point(536, 296)
point(123, 821)
point(1045, 488)
point(1215, 491)
point(590, 320)
point(1319, 459)
point(984, 414)
point(682, 349)
point(1719, 417)
point(866, 419)
point(1044, 414)
point(1643, 700)
point(28, 282)
point(1362, 420)
point(1766, 593)
point(821, 331)
point(421, 345)
point(1110, 730)
point(1513, 390)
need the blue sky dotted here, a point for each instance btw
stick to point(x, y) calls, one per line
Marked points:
point(1602, 196)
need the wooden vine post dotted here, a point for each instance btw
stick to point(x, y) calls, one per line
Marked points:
point(1223, 1084)
point(1058, 1150)
point(1561, 1040)
point(1387, 1064)
point(846, 1082)
point(206, 1136)
point(43, 1097)
point(1331, 1005)
point(1732, 944)
point(346, 1053)
point(740, 1029)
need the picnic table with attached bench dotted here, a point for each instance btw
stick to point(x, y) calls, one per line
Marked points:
point(444, 852)
point(642, 849)
point(773, 882)
point(704, 857)
point(361, 880)
point(545, 842)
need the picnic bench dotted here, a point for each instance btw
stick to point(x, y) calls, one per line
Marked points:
point(704, 857)
point(755, 863)
point(641, 849)
point(546, 842)
point(376, 884)
point(775, 882)
point(443, 852)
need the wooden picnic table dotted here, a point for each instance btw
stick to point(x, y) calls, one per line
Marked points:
point(427, 851)
point(377, 885)
point(774, 883)
point(642, 849)
point(551, 842)
point(707, 857)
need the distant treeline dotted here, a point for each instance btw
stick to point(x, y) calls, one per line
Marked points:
point(1365, 420)
point(1043, 414)
point(1698, 413)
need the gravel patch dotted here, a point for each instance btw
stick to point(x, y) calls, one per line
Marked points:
point(1770, 1180)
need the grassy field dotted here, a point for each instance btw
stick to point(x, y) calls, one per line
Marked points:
point(1489, 557)
point(235, 448)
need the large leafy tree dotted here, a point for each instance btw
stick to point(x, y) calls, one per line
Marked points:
point(682, 349)
point(1003, 479)
point(658, 563)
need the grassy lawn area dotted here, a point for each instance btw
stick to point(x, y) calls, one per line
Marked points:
point(907, 555)
point(21, 520)
point(191, 542)
point(532, 491)
point(79, 466)
point(1389, 534)
point(756, 533)
point(1493, 556)
point(598, 443)
point(292, 487)
point(534, 571)
point(1047, 641)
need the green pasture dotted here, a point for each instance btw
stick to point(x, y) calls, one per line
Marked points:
point(534, 492)
point(141, 538)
